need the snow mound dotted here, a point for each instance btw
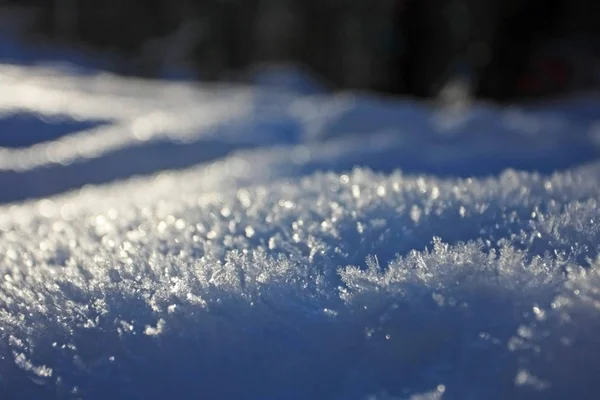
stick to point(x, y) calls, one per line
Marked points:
point(359, 285)
point(279, 242)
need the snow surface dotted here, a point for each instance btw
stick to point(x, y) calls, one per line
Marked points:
point(258, 243)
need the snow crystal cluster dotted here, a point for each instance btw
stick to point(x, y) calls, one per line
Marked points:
point(283, 272)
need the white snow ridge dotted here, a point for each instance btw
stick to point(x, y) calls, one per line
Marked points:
point(256, 276)
point(294, 289)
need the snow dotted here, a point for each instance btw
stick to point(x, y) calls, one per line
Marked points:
point(274, 242)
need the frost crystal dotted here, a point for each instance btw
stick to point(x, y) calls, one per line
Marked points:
point(274, 286)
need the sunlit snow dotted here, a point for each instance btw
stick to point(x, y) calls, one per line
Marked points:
point(256, 243)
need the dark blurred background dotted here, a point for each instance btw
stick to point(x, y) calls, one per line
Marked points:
point(504, 49)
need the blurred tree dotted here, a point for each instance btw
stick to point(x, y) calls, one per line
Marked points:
point(505, 48)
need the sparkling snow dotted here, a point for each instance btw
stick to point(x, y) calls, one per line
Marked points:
point(234, 251)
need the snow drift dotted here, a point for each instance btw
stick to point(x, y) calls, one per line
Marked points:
point(276, 270)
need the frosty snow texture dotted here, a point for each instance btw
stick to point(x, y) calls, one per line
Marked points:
point(282, 273)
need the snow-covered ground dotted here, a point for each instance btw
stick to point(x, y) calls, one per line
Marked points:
point(280, 242)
